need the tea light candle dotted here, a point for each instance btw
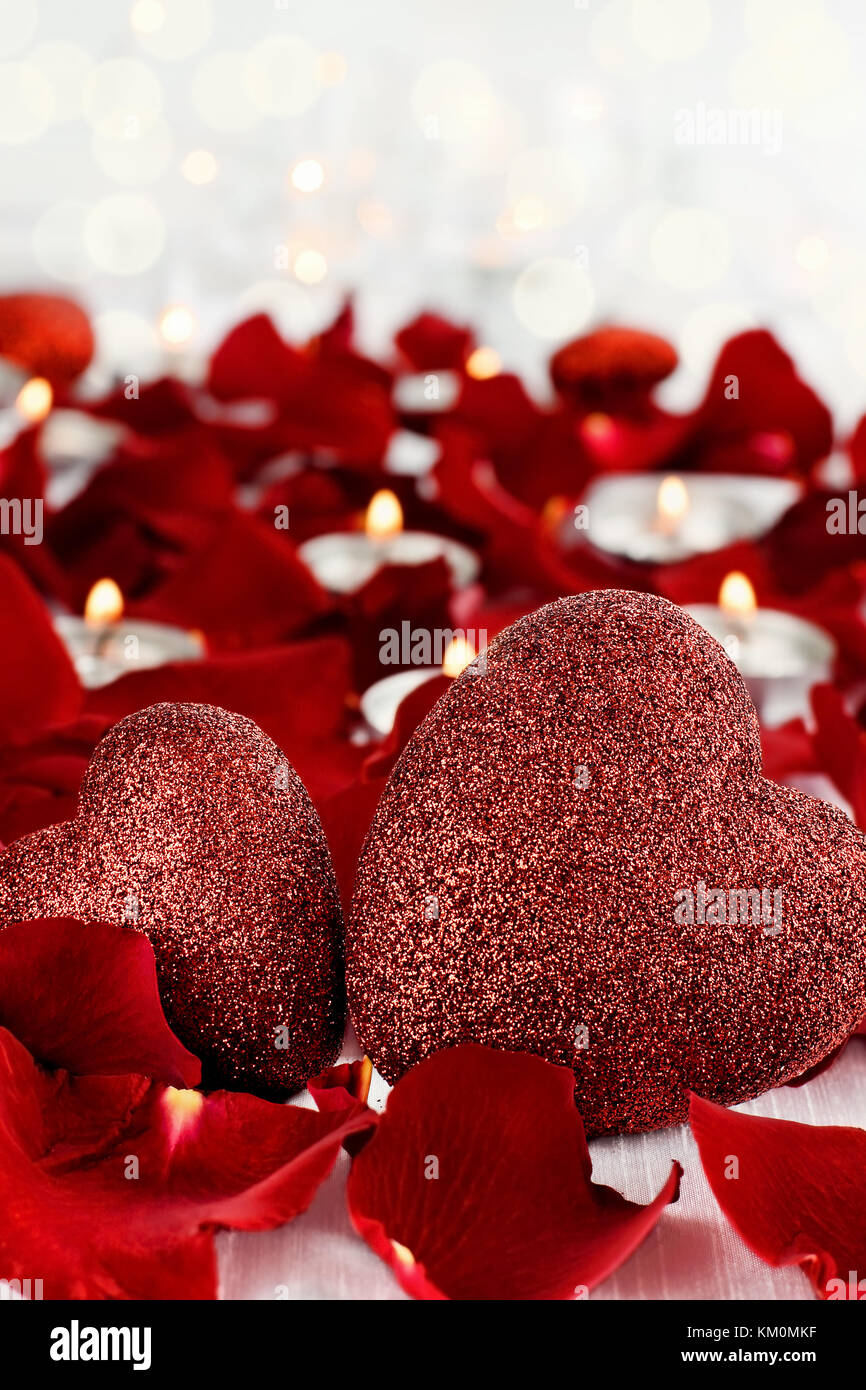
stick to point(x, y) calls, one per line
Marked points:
point(103, 645)
point(343, 561)
point(779, 655)
point(641, 518)
point(379, 703)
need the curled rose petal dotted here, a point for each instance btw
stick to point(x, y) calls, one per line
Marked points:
point(85, 998)
point(795, 1193)
point(477, 1183)
point(112, 1187)
point(344, 1086)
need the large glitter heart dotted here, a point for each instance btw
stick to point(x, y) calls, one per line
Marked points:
point(548, 833)
point(194, 828)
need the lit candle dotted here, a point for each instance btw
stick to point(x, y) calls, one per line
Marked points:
point(32, 405)
point(103, 645)
point(379, 704)
point(343, 561)
point(638, 517)
point(779, 655)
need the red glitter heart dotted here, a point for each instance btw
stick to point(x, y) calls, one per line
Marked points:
point(194, 828)
point(520, 881)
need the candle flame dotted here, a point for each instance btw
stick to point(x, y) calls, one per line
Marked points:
point(35, 399)
point(672, 501)
point(104, 603)
point(737, 596)
point(176, 325)
point(403, 1253)
point(384, 516)
point(458, 654)
point(182, 1109)
point(483, 363)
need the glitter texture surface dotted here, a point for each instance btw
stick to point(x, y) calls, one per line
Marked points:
point(194, 828)
point(519, 884)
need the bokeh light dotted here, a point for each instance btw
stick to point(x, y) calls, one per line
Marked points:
point(281, 75)
point(553, 298)
point(200, 167)
point(690, 248)
point(26, 102)
point(124, 234)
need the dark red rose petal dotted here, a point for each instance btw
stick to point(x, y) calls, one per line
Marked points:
point(45, 334)
point(430, 342)
point(787, 749)
point(326, 398)
point(157, 501)
point(39, 779)
point(840, 746)
point(800, 1194)
point(513, 1213)
point(774, 423)
point(112, 1187)
point(245, 588)
point(161, 407)
point(296, 692)
point(85, 998)
point(41, 687)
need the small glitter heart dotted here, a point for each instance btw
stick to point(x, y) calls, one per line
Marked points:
point(194, 829)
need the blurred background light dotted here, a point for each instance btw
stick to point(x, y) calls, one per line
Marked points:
point(219, 93)
point(26, 102)
point(553, 298)
point(281, 75)
point(200, 166)
point(122, 98)
point(172, 29)
point(690, 248)
point(124, 234)
point(18, 23)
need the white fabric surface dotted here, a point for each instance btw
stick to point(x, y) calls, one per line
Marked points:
point(692, 1254)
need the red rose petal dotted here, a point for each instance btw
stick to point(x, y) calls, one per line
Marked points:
point(343, 1087)
point(800, 1194)
point(112, 1187)
point(777, 423)
point(840, 746)
point(513, 1213)
point(39, 780)
point(787, 749)
point(244, 588)
point(41, 687)
point(85, 998)
point(430, 342)
point(326, 398)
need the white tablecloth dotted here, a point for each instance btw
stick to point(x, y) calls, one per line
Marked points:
point(692, 1253)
